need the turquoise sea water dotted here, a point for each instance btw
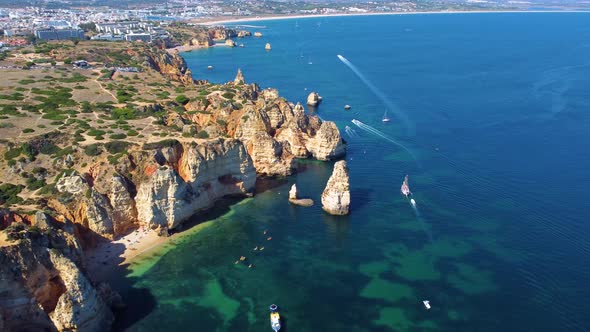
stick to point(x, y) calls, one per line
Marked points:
point(500, 104)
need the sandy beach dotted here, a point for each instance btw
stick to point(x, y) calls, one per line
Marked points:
point(107, 255)
point(230, 19)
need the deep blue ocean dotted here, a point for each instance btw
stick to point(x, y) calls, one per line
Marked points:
point(496, 110)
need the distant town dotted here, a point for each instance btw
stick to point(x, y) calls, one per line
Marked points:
point(146, 20)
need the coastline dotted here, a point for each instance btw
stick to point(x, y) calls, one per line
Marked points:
point(188, 48)
point(102, 260)
point(220, 21)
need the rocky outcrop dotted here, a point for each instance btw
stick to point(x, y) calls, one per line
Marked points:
point(171, 66)
point(257, 34)
point(205, 173)
point(293, 192)
point(79, 307)
point(230, 43)
point(239, 77)
point(314, 99)
point(336, 195)
point(267, 47)
point(327, 143)
point(244, 33)
point(218, 33)
point(124, 212)
point(293, 197)
point(269, 156)
point(43, 289)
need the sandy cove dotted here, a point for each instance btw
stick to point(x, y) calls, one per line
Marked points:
point(108, 255)
point(188, 48)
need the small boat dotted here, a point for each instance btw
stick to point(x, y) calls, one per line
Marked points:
point(426, 304)
point(209, 67)
point(346, 107)
point(241, 45)
point(275, 318)
point(385, 117)
point(413, 202)
point(406, 188)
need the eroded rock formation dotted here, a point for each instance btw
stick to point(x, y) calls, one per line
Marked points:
point(336, 195)
point(42, 286)
point(314, 99)
point(293, 197)
point(204, 173)
point(172, 66)
point(239, 77)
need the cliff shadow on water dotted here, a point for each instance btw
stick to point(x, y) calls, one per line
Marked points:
point(139, 301)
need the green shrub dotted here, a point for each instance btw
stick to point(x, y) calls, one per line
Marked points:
point(125, 113)
point(182, 99)
point(64, 152)
point(161, 144)
point(92, 150)
point(95, 132)
point(118, 136)
point(115, 147)
point(48, 190)
point(49, 148)
point(203, 134)
point(9, 194)
point(34, 184)
point(228, 95)
point(28, 130)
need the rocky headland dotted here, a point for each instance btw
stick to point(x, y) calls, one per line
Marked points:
point(65, 191)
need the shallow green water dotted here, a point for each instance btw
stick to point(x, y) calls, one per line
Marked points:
point(499, 240)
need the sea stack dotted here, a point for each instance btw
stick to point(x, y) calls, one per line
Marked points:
point(314, 99)
point(293, 192)
point(298, 201)
point(267, 47)
point(239, 77)
point(230, 43)
point(336, 196)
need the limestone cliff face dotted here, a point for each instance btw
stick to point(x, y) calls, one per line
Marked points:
point(124, 212)
point(205, 173)
point(269, 156)
point(44, 290)
point(336, 195)
point(172, 66)
point(173, 181)
point(79, 307)
point(222, 33)
point(327, 143)
point(274, 130)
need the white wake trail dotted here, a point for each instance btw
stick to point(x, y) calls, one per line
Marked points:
point(390, 105)
point(382, 135)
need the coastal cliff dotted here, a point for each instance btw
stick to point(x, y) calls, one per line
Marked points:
point(42, 285)
point(203, 174)
point(105, 170)
point(169, 65)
